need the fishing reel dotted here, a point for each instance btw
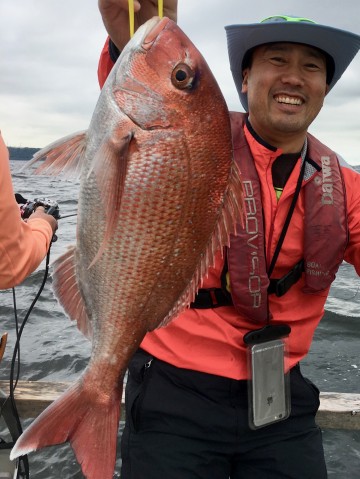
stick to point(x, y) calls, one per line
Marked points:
point(27, 207)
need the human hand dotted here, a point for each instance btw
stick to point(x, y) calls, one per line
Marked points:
point(115, 15)
point(40, 213)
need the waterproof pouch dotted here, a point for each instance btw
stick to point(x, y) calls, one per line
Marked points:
point(269, 385)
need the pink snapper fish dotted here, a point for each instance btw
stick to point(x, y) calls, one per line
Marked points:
point(159, 196)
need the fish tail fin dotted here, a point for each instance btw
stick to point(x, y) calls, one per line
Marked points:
point(91, 428)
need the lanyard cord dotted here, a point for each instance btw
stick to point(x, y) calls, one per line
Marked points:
point(290, 212)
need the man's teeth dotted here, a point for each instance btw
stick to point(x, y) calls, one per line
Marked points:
point(288, 100)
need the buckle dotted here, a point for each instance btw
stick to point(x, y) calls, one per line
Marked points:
point(282, 285)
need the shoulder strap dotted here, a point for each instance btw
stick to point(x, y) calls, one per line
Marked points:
point(249, 283)
point(326, 233)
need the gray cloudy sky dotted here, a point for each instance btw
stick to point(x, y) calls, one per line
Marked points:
point(49, 51)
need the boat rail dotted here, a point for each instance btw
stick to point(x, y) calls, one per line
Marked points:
point(337, 410)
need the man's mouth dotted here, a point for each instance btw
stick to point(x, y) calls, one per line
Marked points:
point(288, 100)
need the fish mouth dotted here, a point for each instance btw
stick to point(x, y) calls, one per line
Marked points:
point(156, 26)
point(146, 35)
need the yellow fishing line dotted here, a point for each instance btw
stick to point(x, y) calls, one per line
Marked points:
point(131, 17)
point(161, 8)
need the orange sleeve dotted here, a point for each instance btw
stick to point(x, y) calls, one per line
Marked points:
point(105, 64)
point(22, 245)
point(352, 183)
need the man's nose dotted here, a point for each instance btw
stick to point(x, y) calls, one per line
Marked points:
point(293, 75)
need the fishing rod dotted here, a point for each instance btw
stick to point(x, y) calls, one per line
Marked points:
point(67, 216)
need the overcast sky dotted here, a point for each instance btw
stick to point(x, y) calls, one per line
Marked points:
point(49, 51)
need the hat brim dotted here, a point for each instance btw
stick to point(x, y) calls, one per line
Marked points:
point(341, 45)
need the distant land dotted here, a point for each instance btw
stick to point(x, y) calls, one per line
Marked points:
point(23, 154)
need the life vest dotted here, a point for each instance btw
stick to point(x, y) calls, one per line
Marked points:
point(325, 212)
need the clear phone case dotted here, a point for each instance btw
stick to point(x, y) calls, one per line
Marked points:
point(269, 386)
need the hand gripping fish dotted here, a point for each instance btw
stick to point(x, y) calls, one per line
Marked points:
point(159, 195)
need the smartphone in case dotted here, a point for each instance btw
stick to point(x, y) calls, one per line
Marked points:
point(269, 388)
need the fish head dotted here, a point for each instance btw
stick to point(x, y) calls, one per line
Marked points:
point(161, 79)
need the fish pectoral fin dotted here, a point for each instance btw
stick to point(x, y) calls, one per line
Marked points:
point(68, 293)
point(110, 167)
point(62, 156)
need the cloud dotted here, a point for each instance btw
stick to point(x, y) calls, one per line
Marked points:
point(48, 63)
point(49, 52)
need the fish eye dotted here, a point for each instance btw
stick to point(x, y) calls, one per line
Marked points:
point(182, 76)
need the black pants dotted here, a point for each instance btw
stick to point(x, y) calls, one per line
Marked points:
point(184, 424)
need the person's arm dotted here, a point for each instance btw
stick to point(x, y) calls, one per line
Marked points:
point(115, 15)
point(352, 184)
point(22, 245)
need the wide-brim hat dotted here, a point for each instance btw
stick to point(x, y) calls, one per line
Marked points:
point(341, 45)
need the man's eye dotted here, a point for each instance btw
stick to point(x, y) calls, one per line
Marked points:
point(277, 59)
point(313, 66)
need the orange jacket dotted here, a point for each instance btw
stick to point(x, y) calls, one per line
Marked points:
point(211, 340)
point(22, 245)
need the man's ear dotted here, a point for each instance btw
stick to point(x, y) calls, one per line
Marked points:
point(245, 80)
point(327, 89)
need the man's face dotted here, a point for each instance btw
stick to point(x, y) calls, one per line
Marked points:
point(286, 86)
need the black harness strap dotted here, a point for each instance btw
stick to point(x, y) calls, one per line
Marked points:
point(280, 286)
point(211, 298)
point(287, 220)
point(216, 297)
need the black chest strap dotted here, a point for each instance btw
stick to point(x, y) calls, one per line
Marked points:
point(216, 297)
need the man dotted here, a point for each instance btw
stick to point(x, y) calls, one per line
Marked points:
point(188, 410)
point(22, 245)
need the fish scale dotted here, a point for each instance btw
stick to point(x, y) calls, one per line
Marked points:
point(159, 196)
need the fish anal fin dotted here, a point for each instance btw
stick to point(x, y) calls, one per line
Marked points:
point(90, 427)
point(110, 175)
point(62, 156)
point(67, 291)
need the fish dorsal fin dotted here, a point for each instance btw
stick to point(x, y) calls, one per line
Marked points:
point(231, 215)
point(61, 156)
point(68, 293)
point(109, 166)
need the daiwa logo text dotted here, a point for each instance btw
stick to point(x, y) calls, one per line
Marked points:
point(252, 230)
point(327, 181)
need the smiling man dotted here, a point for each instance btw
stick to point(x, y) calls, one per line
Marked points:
point(286, 87)
point(219, 393)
